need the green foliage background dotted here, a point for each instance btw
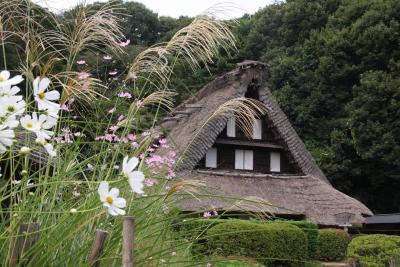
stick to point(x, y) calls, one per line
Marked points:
point(334, 68)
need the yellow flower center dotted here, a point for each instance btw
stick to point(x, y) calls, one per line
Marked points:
point(29, 125)
point(1, 79)
point(41, 95)
point(109, 200)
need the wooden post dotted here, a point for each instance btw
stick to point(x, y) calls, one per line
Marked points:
point(28, 235)
point(127, 241)
point(97, 247)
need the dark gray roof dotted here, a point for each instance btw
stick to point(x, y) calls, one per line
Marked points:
point(383, 219)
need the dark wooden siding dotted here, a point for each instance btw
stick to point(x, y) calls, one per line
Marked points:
point(226, 157)
point(261, 160)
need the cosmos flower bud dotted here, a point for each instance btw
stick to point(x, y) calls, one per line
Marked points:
point(24, 172)
point(25, 150)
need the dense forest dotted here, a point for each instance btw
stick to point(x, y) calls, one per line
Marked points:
point(334, 66)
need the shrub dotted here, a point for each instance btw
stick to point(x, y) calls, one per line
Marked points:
point(311, 230)
point(195, 230)
point(274, 244)
point(332, 244)
point(375, 250)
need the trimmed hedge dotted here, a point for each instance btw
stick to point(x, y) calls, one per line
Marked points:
point(332, 244)
point(311, 230)
point(274, 244)
point(375, 250)
point(195, 229)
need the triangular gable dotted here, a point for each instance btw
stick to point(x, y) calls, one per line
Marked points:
point(192, 135)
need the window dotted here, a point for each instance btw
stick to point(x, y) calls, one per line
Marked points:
point(275, 162)
point(257, 130)
point(243, 159)
point(230, 128)
point(211, 158)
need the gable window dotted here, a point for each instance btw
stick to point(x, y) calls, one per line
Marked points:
point(275, 162)
point(230, 128)
point(257, 130)
point(211, 158)
point(243, 159)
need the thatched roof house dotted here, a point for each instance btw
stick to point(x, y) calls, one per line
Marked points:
point(273, 167)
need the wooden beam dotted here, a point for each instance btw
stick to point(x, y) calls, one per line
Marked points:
point(28, 235)
point(128, 241)
point(97, 247)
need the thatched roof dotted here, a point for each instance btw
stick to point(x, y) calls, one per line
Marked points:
point(288, 195)
point(309, 193)
point(187, 119)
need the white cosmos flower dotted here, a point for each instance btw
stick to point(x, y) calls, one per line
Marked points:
point(53, 111)
point(6, 138)
point(5, 81)
point(111, 200)
point(44, 98)
point(39, 125)
point(49, 147)
point(9, 121)
point(128, 165)
point(136, 180)
point(13, 105)
point(6, 91)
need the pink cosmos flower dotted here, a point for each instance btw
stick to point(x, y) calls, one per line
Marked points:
point(120, 118)
point(107, 57)
point(77, 134)
point(109, 137)
point(83, 75)
point(66, 107)
point(131, 137)
point(76, 193)
point(125, 94)
point(15, 182)
point(81, 62)
point(162, 141)
point(112, 110)
point(173, 253)
point(206, 214)
point(134, 145)
point(113, 73)
point(124, 44)
point(113, 128)
point(139, 103)
point(149, 182)
point(172, 154)
point(146, 133)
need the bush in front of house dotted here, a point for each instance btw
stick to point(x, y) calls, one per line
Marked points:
point(311, 230)
point(375, 250)
point(332, 245)
point(274, 244)
point(194, 230)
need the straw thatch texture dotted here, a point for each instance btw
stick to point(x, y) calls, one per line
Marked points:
point(309, 194)
point(192, 138)
point(288, 195)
